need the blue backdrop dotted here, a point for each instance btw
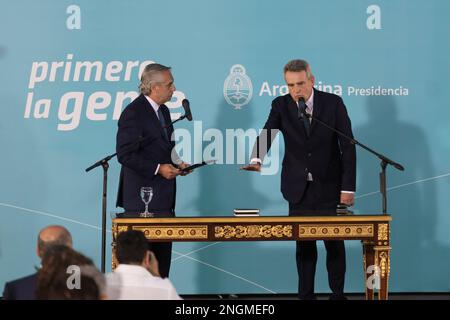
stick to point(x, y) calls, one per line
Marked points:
point(68, 68)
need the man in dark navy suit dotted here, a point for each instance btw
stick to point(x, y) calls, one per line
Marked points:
point(319, 166)
point(152, 162)
point(24, 288)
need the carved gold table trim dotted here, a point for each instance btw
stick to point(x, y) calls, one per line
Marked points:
point(372, 230)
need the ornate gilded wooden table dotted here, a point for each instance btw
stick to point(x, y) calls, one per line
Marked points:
point(372, 230)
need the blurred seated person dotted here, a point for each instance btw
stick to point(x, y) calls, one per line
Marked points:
point(24, 288)
point(68, 275)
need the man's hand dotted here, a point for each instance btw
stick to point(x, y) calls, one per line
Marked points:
point(182, 166)
point(151, 264)
point(168, 171)
point(348, 198)
point(252, 167)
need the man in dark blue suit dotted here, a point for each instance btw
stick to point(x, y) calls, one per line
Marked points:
point(318, 170)
point(152, 163)
point(24, 288)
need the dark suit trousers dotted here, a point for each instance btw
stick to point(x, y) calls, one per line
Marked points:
point(313, 204)
point(163, 253)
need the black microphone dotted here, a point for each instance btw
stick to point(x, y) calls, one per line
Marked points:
point(301, 108)
point(187, 109)
point(187, 113)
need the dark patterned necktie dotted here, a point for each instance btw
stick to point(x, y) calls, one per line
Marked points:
point(163, 123)
point(306, 123)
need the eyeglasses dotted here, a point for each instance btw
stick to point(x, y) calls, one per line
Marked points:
point(167, 85)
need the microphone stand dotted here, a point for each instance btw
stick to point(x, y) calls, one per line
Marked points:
point(384, 160)
point(105, 165)
point(180, 118)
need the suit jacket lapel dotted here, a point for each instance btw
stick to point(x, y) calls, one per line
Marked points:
point(167, 120)
point(317, 109)
point(293, 114)
point(150, 112)
point(154, 118)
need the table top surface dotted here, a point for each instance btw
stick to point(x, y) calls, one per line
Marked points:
point(280, 219)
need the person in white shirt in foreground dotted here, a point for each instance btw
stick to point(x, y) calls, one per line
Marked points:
point(137, 276)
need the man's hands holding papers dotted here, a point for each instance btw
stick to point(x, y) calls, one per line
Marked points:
point(252, 167)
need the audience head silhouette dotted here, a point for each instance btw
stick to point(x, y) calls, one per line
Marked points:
point(53, 235)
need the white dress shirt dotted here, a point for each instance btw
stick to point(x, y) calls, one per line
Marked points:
point(133, 282)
